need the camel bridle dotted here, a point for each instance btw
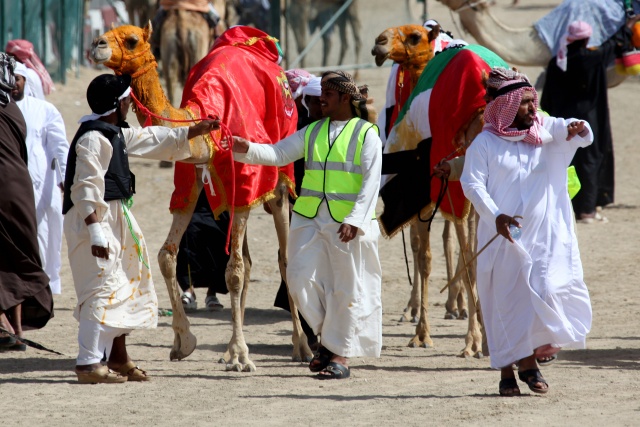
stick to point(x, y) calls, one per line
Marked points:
point(126, 56)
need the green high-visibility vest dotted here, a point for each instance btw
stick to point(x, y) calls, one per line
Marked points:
point(332, 172)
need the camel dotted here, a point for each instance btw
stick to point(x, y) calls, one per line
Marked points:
point(186, 39)
point(410, 46)
point(444, 110)
point(126, 50)
point(140, 11)
point(520, 46)
point(318, 13)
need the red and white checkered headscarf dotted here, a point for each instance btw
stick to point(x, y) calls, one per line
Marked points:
point(508, 87)
point(23, 50)
point(298, 79)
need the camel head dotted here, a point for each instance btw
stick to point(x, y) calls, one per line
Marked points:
point(409, 45)
point(125, 49)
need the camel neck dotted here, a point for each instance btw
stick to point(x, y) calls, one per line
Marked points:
point(149, 92)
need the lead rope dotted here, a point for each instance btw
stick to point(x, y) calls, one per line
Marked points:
point(126, 206)
point(225, 134)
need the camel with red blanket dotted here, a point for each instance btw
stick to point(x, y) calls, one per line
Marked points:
point(411, 47)
point(241, 66)
point(441, 116)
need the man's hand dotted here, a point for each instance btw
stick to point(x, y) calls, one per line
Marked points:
point(576, 128)
point(203, 127)
point(347, 232)
point(240, 145)
point(502, 226)
point(442, 169)
point(99, 243)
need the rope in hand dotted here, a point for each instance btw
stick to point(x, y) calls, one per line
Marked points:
point(473, 259)
point(225, 134)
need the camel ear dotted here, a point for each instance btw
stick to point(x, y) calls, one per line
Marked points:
point(147, 30)
point(434, 33)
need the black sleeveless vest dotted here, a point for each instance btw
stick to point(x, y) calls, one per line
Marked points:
point(119, 182)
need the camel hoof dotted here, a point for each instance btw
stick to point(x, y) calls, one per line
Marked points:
point(183, 347)
point(451, 315)
point(464, 315)
point(222, 360)
point(479, 355)
point(249, 367)
point(234, 367)
point(425, 345)
point(413, 344)
point(415, 319)
point(308, 359)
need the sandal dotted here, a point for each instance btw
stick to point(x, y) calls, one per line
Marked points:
point(320, 360)
point(213, 303)
point(533, 377)
point(101, 375)
point(189, 301)
point(508, 387)
point(133, 372)
point(334, 371)
point(546, 361)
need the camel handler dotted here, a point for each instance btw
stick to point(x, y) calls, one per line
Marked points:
point(334, 274)
point(531, 288)
point(107, 252)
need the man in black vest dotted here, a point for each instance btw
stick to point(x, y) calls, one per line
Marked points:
point(107, 252)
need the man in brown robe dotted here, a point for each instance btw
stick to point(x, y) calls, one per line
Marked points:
point(25, 296)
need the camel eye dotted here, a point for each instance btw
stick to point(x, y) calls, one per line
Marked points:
point(131, 42)
point(415, 38)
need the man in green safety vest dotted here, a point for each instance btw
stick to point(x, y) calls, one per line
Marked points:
point(334, 274)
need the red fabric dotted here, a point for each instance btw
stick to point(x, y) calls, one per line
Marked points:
point(403, 90)
point(240, 82)
point(23, 50)
point(456, 96)
point(502, 111)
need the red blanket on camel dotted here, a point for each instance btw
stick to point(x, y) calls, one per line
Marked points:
point(241, 82)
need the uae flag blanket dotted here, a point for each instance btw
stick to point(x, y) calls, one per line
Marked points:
point(448, 95)
point(240, 82)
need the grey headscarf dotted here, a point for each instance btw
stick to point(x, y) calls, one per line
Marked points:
point(7, 78)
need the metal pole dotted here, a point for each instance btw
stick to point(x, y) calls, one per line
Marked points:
point(425, 15)
point(316, 37)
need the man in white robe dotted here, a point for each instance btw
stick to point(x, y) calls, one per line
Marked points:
point(534, 300)
point(47, 149)
point(107, 252)
point(334, 274)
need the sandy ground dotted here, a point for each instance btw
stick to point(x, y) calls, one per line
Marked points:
point(405, 386)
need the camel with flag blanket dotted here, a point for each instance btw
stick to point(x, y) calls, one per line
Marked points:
point(439, 120)
point(240, 82)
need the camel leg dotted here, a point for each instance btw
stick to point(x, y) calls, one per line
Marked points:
point(466, 235)
point(448, 239)
point(326, 48)
point(237, 277)
point(422, 338)
point(280, 211)
point(411, 311)
point(344, 41)
point(184, 342)
point(352, 14)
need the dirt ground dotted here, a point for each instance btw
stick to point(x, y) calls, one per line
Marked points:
point(405, 386)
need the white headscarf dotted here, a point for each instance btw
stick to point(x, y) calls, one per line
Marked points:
point(95, 116)
point(312, 88)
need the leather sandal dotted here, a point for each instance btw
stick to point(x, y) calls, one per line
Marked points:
point(131, 371)
point(320, 360)
point(533, 377)
point(101, 375)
